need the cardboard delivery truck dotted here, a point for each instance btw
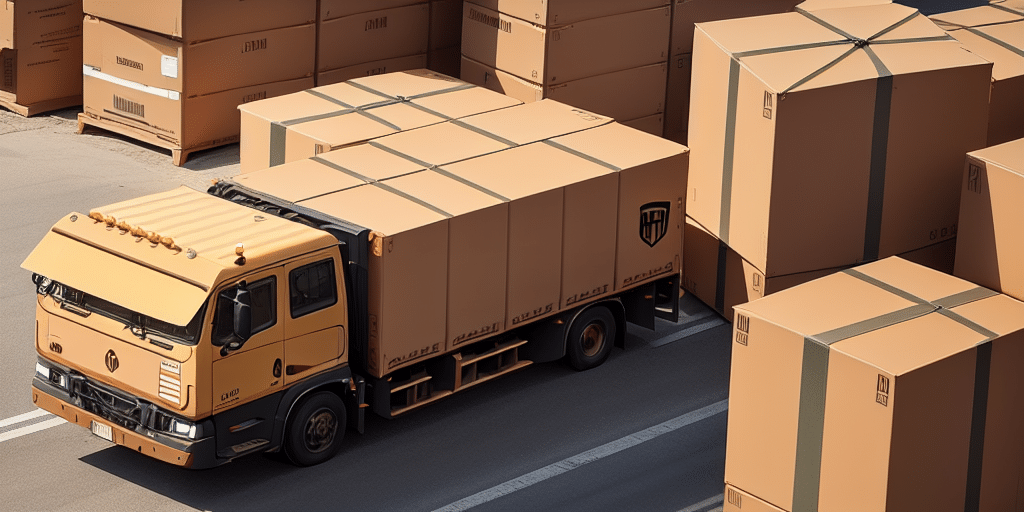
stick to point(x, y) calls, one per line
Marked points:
point(270, 313)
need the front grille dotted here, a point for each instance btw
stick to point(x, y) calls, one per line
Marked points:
point(121, 409)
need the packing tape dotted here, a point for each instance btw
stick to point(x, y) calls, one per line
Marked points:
point(88, 70)
point(879, 141)
point(814, 380)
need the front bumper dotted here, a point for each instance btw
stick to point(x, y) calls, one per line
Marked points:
point(197, 454)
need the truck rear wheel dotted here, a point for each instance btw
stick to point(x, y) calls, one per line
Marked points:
point(590, 338)
point(315, 430)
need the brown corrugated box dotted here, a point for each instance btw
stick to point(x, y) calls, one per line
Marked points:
point(817, 5)
point(735, 500)
point(653, 124)
point(200, 20)
point(371, 36)
point(199, 68)
point(302, 125)
point(722, 279)
point(377, 67)
point(995, 33)
point(563, 12)
point(41, 53)
point(990, 240)
point(685, 13)
point(333, 9)
point(627, 94)
point(525, 215)
point(550, 56)
point(807, 159)
point(888, 387)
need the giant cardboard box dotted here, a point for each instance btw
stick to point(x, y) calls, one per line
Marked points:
point(333, 9)
point(326, 118)
point(812, 150)
point(549, 56)
point(622, 95)
point(200, 20)
point(542, 206)
point(41, 53)
point(722, 279)
point(198, 68)
point(371, 36)
point(888, 387)
point(995, 33)
point(553, 13)
point(990, 240)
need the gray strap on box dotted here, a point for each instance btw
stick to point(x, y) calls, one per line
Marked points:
point(814, 377)
point(582, 155)
point(435, 168)
point(974, 30)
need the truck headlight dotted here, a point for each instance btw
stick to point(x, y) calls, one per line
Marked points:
point(183, 428)
point(51, 375)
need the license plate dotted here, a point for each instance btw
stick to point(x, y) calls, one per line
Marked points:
point(103, 431)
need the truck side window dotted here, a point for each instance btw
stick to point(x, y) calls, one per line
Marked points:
point(312, 287)
point(263, 294)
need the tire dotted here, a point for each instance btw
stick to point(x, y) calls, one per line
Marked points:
point(315, 430)
point(590, 338)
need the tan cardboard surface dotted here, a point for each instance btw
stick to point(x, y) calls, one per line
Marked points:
point(41, 49)
point(199, 68)
point(621, 95)
point(200, 20)
point(997, 36)
point(787, 118)
point(371, 36)
point(888, 381)
point(735, 500)
point(377, 67)
point(332, 9)
point(563, 12)
point(688, 12)
point(990, 242)
point(552, 56)
point(653, 124)
point(817, 5)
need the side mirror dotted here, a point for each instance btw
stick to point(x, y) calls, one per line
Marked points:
point(243, 315)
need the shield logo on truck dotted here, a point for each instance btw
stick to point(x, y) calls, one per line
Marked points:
point(111, 360)
point(654, 221)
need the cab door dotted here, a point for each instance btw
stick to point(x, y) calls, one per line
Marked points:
point(315, 315)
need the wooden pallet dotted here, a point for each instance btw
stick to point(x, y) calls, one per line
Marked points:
point(179, 155)
point(9, 101)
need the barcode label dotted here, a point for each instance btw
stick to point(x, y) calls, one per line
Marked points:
point(129, 106)
point(742, 329)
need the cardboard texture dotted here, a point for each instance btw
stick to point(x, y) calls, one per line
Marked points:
point(198, 68)
point(377, 67)
point(722, 279)
point(735, 500)
point(334, 9)
point(996, 34)
point(887, 387)
point(372, 36)
point(552, 13)
point(653, 124)
point(817, 5)
point(549, 56)
point(201, 20)
point(990, 241)
point(183, 122)
point(536, 208)
point(326, 118)
point(786, 117)
point(40, 51)
point(628, 94)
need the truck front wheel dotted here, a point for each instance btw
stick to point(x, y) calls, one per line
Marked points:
point(315, 430)
point(590, 338)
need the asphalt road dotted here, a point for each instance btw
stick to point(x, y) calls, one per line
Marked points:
point(645, 431)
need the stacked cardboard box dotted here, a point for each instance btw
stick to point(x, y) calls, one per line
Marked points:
point(173, 72)
point(305, 124)
point(686, 13)
point(40, 55)
point(445, 37)
point(889, 387)
point(996, 33)
point(533, 208)
point(814, 150)
point(607, 57)
point(358, 38)
point(990, 243)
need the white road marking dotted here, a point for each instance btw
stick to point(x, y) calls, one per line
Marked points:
point(23, 417)
point(586, 457)
point(699, 507)
point(689, 331)
point(31, 429)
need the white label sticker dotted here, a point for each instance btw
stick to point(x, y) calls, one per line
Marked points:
point(169, 66)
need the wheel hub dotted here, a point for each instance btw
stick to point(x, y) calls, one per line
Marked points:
point(593, 339)
point(320, 430)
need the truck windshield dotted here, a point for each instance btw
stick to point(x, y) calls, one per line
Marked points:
point(141, 325)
